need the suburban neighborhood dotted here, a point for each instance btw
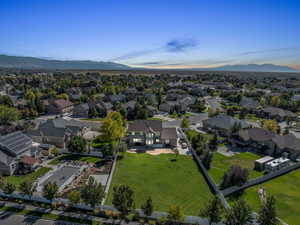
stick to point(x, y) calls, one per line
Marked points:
point(170, 142)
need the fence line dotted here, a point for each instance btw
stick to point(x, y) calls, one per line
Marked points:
point(214, 188)
point(260, 180)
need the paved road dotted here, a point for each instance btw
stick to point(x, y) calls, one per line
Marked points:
point(9, 218)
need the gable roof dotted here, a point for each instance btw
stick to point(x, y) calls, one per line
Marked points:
point(15, 143)
point(62, 103)
point(169, 133)
point(224, 122)
point(274, 111)
point(249, 103)
point(256, 134)
point(145, 126)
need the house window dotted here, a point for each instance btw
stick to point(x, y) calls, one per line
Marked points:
point(132, 133)
point(137, 140)
point(157, 140)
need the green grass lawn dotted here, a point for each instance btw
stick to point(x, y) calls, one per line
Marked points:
point(221, 164)
point(16, 180)
point(74, 158)
point(287, 194)
point(167, 182)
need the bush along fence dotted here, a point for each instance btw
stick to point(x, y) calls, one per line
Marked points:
point(102, 213)
point(214, 188)
point(260, 180)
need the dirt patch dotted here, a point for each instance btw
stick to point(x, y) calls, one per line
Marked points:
point(160, 151)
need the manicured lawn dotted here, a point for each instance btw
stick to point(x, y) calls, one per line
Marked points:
point(74, 158)
point(16, 180)
point(221, 164)
point(287, 194)
point(166, 181)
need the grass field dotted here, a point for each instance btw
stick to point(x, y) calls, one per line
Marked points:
point(287, 194)
point(221, 164)
point(74, 158)
point(167, 182)
point(16, 180)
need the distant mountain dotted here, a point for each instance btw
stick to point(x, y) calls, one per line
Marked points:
point(18, 62)
point(255, 68)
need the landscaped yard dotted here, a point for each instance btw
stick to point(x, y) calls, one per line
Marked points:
point(16, 180)
point(167, 182)
point(221, 164)
point(287, 194)
point(67, 157)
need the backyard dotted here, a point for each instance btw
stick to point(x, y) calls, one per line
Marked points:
point(286, 191)
point(16, 180)
point(221, 164)
point(167, 181)
point(69, 157)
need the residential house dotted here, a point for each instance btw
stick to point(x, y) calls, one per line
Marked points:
point(16, 148)
point(81, 110)
point(58, 131)
point(223, 124)
point(268, 143)
point(151, 133)
point(249, 103)
point(58, 106)
point(276, 113)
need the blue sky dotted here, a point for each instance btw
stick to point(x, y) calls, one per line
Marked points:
point(160, 34)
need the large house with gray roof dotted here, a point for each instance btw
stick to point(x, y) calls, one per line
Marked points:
point(267, 143)
point(151, 133)
point(58, 131)
point(223, 124)
point(13, 147)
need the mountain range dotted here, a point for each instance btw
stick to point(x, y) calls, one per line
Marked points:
point(21, 62)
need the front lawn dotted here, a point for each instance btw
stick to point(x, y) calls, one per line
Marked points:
point(221, 164)
point(93, 119)
point(16, 180)
point(165, 180)
point(70, 157)
point(287, 194)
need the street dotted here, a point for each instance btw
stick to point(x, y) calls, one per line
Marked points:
point(9, 218)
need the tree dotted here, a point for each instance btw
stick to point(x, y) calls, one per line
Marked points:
point(55, 152)
point(50, 190)
point(113, 127)
point(213, 210)
point(267, 214)
point(27, 187)
point(185, 123)
point(271, 125)
point(206, 159)
point(123, 199)
point(74, 197)
point(9, 188)
point(239, 214)
point(8, 115)
point(5, 100)
point(92, 192)
point(275, 101)
point(213, 143)
point(175, 213)
point(147, 207)
point(77, 144)
point(234, 176)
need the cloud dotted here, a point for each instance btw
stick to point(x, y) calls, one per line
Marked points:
point(173, 46)
point(269, 51)
point(180, 45)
